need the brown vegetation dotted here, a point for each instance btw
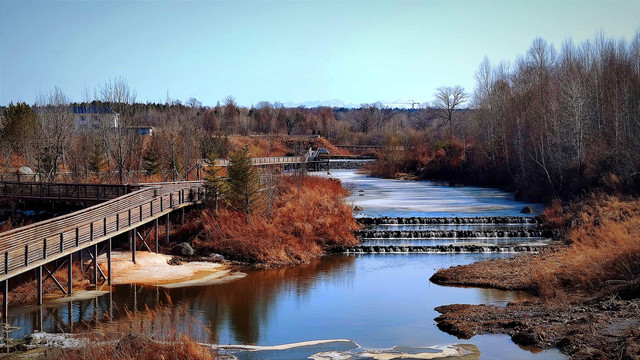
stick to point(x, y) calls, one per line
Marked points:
point(23, 288)
point(589, 287)
point(149, 335)
point(139, 347)
point(601, 248)
point(307, 219)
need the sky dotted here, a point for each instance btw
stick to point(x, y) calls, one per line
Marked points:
point(286, 51)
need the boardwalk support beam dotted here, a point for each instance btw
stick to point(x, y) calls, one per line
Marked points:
point(155, 230)
point(39, 284)
point(5, 301)
point(166, 223)
point(70, 274)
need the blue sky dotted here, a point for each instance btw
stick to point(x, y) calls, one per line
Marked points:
point(356, 51)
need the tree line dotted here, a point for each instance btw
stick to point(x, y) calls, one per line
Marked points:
point(552, 123)
point(45, 136)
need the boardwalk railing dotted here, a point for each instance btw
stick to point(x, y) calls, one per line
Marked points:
point(31, 246)
point(63, 191)
point(274, 160)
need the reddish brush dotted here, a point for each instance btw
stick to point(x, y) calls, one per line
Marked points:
point(603, 246)
point(307, 219)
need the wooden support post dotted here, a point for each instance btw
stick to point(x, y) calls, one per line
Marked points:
point(132, 233)
point(5, 301)
point(166, 224)
point(155, 229)
point(70, 274)
point(39, 283)
point(95, 264)
point(109, 261)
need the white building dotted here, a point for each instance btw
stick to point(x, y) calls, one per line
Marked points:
point(94, 118)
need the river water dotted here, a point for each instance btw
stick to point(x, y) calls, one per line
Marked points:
point(376, 301)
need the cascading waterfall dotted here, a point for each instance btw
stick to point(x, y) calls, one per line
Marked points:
point(442, 249)
point(480, 220)
point(453, 234)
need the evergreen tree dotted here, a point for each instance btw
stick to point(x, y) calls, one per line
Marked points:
point(151, 160)
point(20, 128)
point(96, 160)
point(244, 191)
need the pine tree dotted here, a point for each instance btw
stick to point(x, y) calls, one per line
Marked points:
point(151, 160)
point(244, 183)
point(96, 160)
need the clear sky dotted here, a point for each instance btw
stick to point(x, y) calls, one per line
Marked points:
point(355, 51)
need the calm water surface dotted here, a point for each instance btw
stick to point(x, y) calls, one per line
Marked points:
point(377, 301)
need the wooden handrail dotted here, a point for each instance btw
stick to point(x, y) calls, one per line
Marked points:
point(29, 246)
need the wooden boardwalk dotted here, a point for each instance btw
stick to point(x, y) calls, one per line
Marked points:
point(120, 209)
point(265, 161)
point(125, 209)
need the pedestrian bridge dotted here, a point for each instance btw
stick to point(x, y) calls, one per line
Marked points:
point(124, 208)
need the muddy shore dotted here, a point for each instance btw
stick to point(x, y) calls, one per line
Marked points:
point(597, 325)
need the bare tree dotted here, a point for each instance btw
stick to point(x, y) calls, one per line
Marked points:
point(447, 100)
point(56, 129)
point(119, 139)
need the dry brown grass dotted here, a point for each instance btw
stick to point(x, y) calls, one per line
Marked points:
point(25, 290)
point(308, 219)
point(149, 335)
point(281, 145)
point(603, 240)
point(133, 346)
point(260, 146)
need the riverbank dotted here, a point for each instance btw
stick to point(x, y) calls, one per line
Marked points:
point(589, 288)
point(162, 270)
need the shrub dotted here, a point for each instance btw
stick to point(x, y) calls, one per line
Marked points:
point(307, 219)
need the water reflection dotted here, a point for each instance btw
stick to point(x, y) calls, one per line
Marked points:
point(239, 306)
point(378, 301)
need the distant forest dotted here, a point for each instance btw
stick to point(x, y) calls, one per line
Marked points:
point(551, 123)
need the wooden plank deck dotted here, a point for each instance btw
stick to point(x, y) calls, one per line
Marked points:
point(31, 246)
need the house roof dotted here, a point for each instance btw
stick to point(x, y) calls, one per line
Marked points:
point(92, 110)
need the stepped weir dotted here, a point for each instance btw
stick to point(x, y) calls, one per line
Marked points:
point(516, 234)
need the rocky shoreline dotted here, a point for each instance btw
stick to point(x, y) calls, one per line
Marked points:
point(603, 324)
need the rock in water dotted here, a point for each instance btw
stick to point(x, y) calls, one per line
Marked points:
point(183, 249)
point(527, 210)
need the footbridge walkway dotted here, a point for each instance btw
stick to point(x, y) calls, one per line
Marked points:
point(51, 244)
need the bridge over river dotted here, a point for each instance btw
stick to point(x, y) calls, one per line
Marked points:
point(49, 245)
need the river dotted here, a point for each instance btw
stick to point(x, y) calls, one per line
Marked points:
point(376, 301)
